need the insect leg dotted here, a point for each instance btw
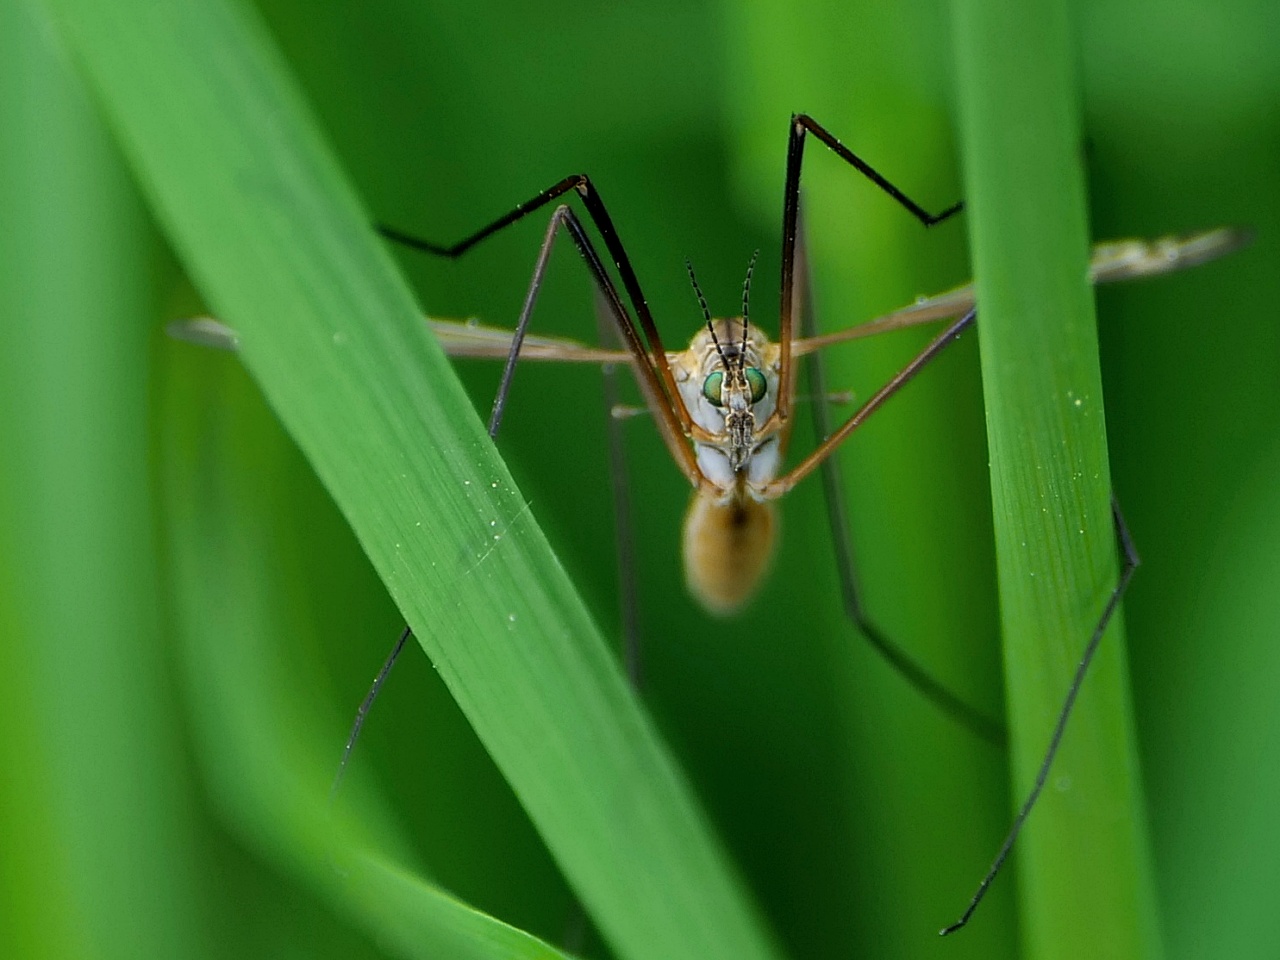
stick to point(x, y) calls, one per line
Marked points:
point(838, 519)
point(651, 384)
point(623, 529)
point(646, 343)
point(783, 484)
point(801, 124)
point(667, 409)
point(362, 712)
point(1129, 561)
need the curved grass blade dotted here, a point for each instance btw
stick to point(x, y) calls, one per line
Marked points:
point(265, 224)
point(97, 837)
point(264, 745)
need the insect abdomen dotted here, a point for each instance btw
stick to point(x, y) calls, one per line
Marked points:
point(727, 548)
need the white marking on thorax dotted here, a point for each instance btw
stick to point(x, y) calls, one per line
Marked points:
point(760, 469)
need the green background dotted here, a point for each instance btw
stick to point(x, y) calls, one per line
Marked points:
point(131, 822)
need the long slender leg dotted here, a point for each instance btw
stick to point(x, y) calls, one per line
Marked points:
point(613, 309)
point(667, 409)
point(656, 357)
point(648, 354)
point(1129, 557)
point(628, 593)
point(1129, 561)
point(801, 125)
point(900, 379)
point(576, 926)
point(362, 713)
point(838, 520)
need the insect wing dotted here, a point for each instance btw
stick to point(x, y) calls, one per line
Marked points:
point(1111, 262)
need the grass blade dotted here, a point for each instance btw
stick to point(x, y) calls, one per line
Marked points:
point(96, 834)
point(276, 242)
point(263, 742)
point(1084, 853)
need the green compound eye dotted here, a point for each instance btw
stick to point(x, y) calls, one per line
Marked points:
point(757, 383)
point(711, 388)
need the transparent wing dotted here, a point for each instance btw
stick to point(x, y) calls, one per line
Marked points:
point(204, 332)
point(1131, 259)
point(471, 339)
point(1112, 261)
point(465, 338)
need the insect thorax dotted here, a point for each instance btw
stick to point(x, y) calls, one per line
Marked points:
point(729, 385)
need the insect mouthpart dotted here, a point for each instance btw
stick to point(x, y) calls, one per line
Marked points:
point(736, 389)
point(740, 426)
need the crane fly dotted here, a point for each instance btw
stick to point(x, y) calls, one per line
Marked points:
point(724, 406)
point(730, 360)
point(727, 538)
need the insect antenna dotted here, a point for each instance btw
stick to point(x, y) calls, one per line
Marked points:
point(746, 297)
point(706, 314)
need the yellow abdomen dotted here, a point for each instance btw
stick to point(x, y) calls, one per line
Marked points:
point(727, 548)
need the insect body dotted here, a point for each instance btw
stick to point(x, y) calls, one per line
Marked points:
point(728, 381)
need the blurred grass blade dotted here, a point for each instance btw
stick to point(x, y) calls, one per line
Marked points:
point(262, 739)
point(96, 835)
point(273, 237)
point(1083, 864)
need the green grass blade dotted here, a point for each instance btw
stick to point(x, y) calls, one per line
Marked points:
point(1083, 862)
point(262, 740)
point(96, 834)
point(280, 248)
